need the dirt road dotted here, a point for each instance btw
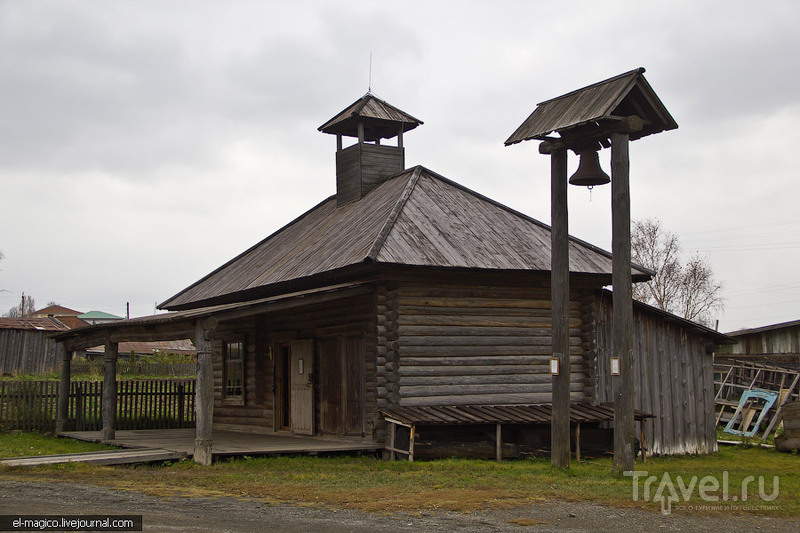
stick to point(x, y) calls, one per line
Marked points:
point(233, 515)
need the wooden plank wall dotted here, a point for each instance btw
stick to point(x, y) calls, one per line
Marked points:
point(362, 167)
point(482, 345)
point(774, 341)
point(379, 162)
point(28, 352)
point(348, 175)
point(674, 380)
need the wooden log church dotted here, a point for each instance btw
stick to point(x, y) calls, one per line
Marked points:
point(408, 289)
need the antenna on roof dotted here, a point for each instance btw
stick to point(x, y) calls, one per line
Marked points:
point(369, 85)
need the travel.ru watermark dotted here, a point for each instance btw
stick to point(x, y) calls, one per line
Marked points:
point(709, 488)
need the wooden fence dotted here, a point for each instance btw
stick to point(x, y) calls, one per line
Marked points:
point(141, 404)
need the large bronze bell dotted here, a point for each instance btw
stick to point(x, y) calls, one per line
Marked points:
point(589, 172)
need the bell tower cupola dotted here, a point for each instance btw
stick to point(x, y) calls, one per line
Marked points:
point(364, 165)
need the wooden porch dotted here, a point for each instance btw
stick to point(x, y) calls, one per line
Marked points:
point(229, 443)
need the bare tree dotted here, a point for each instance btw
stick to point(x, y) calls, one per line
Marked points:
point(685, 289)
point(26, 308)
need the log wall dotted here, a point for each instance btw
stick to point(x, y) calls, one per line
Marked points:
point(480, 345)
point(255, 414)
point(353, 316)
point(673, 379)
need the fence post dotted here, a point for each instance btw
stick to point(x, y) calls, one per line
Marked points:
point(63, 390)
point(181, 403)
point(78, 407)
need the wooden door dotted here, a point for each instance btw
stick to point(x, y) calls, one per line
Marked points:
point(302, 384)
point(341, 379)
point(330, 393)
point(353, 383)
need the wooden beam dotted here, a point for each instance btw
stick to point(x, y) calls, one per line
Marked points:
point(63, 390)
point(411, 436)
point(622, 317)
point(559, 288)
point(204, 391)
point(109, 391)
point(579, 137)
point(392, 433)
point(499, 443)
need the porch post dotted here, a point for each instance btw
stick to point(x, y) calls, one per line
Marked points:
point(109, 390)
point(63, 389)
point(204, 391)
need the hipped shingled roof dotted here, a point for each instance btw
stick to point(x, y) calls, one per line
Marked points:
point(417, 218)
point(380, 119)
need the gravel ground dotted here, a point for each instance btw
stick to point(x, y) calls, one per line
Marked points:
point(235, 515)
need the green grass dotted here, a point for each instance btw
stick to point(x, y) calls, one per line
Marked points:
point(21, 444)
point(454, 484)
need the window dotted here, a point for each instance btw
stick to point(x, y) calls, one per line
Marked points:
point(233, 365)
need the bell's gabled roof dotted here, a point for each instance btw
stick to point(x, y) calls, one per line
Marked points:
point(381, 119)
point(621, 96)
point(417, 218)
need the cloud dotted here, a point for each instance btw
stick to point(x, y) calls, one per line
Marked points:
point(145, 143)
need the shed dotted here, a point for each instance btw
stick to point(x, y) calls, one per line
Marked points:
point(404, 289)
point(775, 345)
point(26, 346)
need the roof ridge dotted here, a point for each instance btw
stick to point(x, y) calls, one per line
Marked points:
point(393, 216)
point(638, 71)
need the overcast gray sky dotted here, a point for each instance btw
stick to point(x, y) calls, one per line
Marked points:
point(145, 143)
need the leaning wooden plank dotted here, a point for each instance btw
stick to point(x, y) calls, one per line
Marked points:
point(777, 414)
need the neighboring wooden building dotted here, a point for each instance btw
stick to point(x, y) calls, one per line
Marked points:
point(405, 289)
point(775, 345)
point(26, 346)
point(65, 315)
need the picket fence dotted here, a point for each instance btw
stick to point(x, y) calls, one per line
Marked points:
point(141, 404)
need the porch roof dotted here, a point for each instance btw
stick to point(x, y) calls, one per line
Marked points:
point(182, 324)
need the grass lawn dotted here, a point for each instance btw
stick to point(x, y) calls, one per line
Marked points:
point(21, 444)
point(454, 484)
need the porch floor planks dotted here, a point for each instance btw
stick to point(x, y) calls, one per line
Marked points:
point(228, 443)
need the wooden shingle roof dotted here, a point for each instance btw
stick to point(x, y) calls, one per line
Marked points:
point(621, 96)
point(381, 119)
point(417, 218)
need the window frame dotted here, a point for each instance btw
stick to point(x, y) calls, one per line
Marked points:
point(227, 397)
